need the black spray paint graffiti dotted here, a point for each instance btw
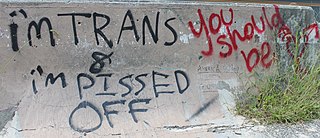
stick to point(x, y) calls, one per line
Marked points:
point(37, 27)
point(40, 71)
point(99, 30)
point(14, 29)
point(107, 112)
point(90, 83)
point(33, 24)
point(85, 82)
point(99, 58)
point(50, 78)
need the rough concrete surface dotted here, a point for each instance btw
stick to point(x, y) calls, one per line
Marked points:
point(141, 69)
point(6, 115)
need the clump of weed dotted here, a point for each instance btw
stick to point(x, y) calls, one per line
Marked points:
point(285, 96)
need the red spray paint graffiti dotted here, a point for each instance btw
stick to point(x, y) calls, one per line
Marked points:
point(229, 40)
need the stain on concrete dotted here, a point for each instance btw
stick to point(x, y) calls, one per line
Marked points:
point(223, 85)
point(6, 115)
point(203, 108)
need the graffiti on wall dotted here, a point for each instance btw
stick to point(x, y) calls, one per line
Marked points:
point(208, 25)
point(229, 40)
point(86, 81)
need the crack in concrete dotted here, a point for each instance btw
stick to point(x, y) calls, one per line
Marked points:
point(27, 129)
point(33, 129)
point(224, 128)
point(186, 127)
point(117, 134)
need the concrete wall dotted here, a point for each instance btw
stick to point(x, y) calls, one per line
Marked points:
point(135, 69)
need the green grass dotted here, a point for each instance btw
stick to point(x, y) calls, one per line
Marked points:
point(288, 97)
